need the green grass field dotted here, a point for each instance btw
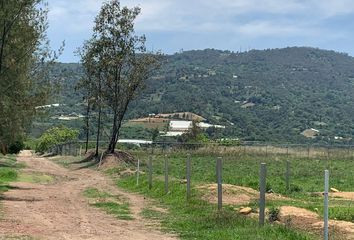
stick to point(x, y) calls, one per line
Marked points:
point(199, 219)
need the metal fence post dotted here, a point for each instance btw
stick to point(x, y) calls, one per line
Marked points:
point(188, 176)
point(137, 173)
point(287, 176)
point(287, 151)
point(308, 151)
point(325, 215)
point(166, 174)
point(150, 172)
point(219, 179)
point(262, 185)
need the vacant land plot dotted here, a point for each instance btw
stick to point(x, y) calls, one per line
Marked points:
point(241, 176)
point(62, 207)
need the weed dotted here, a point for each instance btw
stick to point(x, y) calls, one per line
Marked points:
point(111, 204)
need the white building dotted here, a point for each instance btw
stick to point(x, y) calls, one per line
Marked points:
point(181, 126)
point(184, 126)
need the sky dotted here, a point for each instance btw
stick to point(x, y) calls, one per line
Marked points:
point(235, 25)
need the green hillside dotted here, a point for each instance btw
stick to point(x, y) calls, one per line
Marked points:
point(269, 95)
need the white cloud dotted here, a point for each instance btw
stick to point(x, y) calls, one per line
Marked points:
point(204, 15)
point(239, 19)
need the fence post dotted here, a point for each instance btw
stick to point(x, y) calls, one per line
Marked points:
point(262, 185)
point(308, 151)
point(80, 150)
point(137, 173)
point(219, 180)
point(287, 176)
point(150, 172)
point(166, 174)
point(325, 215)
point(287, 150)
point(188, 176)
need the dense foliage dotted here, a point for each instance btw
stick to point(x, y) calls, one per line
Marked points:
point(24, 62)
point(54, 136)
point(269, 95)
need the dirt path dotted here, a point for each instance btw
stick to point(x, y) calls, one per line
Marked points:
point(59, 210)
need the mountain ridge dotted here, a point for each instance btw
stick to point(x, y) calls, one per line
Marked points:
point(268, 95)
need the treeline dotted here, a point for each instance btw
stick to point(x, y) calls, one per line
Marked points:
point(25, 60)
point(289, 89)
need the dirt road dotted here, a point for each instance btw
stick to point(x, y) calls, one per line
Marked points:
point(59, 210)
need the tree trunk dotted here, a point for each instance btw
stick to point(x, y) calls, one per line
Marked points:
point(115, 134)
point(87, 126)
point(112, 143)
point(98, 130)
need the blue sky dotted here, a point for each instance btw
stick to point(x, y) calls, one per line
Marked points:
point(172, 25)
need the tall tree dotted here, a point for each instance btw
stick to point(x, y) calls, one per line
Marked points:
point(123, 63)
point(23, 53)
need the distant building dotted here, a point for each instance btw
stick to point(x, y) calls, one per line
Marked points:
point(181, 126)
point(184, 126)
point(207, 125)
point(310, 133)
point(171, 134)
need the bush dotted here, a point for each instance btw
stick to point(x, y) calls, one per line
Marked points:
point(273, 214)
point(16, 147)
point(55, 136)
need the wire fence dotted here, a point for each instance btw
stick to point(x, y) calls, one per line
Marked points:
point(315, 151)
point(294, 171)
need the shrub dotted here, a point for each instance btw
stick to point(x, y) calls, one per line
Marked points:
point(16, 147)
point(273, 214)
point(55, 136)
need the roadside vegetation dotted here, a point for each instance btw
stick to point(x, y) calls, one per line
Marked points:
point(8, 171)
point(199, 218)
point(111, 204)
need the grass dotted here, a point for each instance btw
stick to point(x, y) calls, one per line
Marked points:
point(17, 238)
point(121, 211)
point(111, 204)
point(66, 161)
point(200, 220)
point(8, 171)
point(35, 178)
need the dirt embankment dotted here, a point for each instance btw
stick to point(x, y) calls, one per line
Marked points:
point(58, 210)
point(294, 217)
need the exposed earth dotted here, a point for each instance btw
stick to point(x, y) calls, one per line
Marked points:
point(58, 209)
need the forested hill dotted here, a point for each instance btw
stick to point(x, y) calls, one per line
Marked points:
point(268, 95)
